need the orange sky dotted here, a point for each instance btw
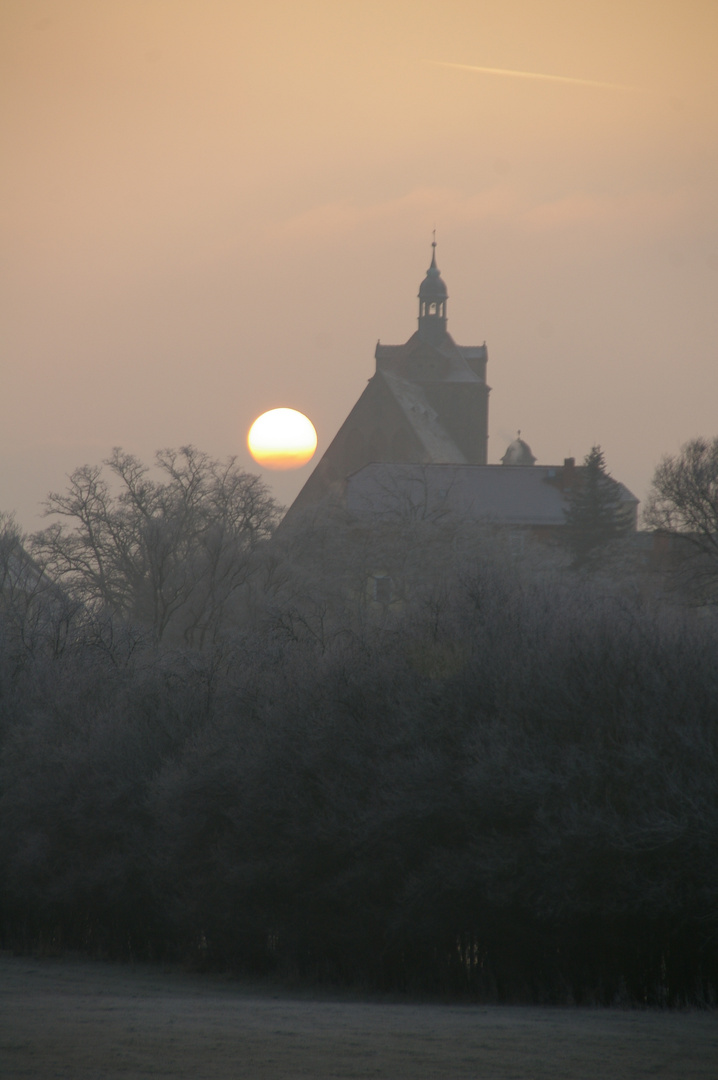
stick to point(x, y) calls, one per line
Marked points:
point(213, 208)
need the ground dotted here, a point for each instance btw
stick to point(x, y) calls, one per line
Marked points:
point(89, 1020)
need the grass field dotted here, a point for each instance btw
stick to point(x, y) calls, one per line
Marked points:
point(90, 1020)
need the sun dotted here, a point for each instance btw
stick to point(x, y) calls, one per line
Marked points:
point(282, 439)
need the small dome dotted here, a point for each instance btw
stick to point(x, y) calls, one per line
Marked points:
point(518, 453)
point(433, 286)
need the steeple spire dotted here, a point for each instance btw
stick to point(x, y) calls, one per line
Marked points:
point(432, 301)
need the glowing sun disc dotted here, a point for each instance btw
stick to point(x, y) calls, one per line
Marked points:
point(282, 439)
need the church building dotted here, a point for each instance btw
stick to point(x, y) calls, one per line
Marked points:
point(419, 432)
point(427, 403)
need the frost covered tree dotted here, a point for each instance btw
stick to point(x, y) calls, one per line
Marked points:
point(167, 553)
point(683, 501)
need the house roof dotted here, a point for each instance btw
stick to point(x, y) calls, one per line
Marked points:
point(521, 495)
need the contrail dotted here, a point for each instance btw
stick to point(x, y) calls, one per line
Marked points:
point(532, 75)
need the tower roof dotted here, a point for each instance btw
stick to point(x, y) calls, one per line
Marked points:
point(518, 453)
point(433, 286)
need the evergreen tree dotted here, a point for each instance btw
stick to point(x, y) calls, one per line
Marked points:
point(596, 513)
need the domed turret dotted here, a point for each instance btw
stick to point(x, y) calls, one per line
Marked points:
point(518, 453)
point(433, 286)
point(433, 295)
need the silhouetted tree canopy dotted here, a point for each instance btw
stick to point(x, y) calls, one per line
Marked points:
point(506, 789)
point(167, 553)
point(500, 781)
point(683, 501)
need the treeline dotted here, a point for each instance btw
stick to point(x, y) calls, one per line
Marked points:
point(498, 785)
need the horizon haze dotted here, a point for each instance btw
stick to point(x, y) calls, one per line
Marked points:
point(213, 210)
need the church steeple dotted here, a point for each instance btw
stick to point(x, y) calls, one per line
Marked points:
point(432, 302)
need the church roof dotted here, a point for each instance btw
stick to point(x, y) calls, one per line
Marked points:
point(424, 420)
point(521, 496)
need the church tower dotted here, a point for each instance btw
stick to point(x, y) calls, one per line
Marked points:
point(427, 403)
point(432, 303)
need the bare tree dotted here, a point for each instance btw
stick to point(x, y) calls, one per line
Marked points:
point(169, 554)
point(35, 613)
point(683, 502)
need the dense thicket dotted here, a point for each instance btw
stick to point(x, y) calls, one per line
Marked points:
point(498, 786)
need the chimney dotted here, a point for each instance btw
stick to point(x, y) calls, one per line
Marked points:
point(568, 475)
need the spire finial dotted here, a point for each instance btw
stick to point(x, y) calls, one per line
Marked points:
point(433, 248)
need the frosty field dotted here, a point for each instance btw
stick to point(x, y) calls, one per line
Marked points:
point(97, 1021)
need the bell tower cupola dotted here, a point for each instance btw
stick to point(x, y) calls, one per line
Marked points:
point(432, 302)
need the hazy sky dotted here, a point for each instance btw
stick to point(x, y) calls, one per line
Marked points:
point(214, 207)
